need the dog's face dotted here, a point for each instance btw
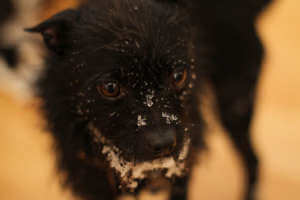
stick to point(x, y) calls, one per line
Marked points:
point(127, 69)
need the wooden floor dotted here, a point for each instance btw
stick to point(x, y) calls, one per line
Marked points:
point(27, 162)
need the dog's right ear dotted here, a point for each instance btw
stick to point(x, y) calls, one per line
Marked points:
point(56, 30)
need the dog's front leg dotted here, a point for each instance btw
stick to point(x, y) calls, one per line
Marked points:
point(179, 190)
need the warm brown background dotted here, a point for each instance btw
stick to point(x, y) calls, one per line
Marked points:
point(27, 163)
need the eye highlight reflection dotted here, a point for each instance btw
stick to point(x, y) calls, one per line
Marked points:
point(179, 77)
point(109, 89)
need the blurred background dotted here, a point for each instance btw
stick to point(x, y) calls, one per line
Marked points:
point(27, 165)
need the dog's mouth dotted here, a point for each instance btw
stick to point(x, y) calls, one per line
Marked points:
point(132, 173)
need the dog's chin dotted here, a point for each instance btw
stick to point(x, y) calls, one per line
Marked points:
point(132, 173)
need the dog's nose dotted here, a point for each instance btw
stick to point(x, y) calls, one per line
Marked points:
point(161, 143)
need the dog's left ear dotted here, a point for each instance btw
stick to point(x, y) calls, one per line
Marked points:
point(56, 30)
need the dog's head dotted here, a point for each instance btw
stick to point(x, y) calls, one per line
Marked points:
point(127, 71)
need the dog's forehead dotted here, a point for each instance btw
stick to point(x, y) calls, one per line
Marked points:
point(136, 60)
point(141, 55)
point(140, 30)
point(149, 64)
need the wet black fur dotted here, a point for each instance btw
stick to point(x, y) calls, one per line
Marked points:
point(140, 43)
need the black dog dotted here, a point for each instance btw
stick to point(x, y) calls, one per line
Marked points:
point(121, 89)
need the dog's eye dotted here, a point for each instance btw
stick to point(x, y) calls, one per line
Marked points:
point(110, 89)
point(179, 77)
